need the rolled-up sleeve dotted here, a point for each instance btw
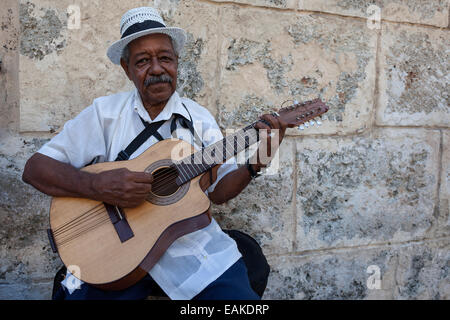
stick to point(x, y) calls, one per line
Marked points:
point(81, 140)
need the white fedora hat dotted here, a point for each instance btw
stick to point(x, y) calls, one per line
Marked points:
point(140, 22)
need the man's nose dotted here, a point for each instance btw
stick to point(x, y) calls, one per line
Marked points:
point(155, 67)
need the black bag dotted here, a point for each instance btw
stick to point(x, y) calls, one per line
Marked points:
point(257, 267)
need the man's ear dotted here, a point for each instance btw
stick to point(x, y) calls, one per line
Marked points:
point(125, 68)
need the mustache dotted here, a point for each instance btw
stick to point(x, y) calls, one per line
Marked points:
point(158, 79)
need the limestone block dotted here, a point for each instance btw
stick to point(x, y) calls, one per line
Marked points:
point(9, 92)
point(265, 208)
point(444, 196)
point(284, 4)
point(377, 188)
point(273, 57)
point(330, 276)
point(29, 291)
point(422, 271)
point(25, 252)
point(414, 77)
point(197, 69)
point(63, 69)
point(405, 272)
point(431, 12)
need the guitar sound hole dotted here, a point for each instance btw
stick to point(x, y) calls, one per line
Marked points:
point(164, 181)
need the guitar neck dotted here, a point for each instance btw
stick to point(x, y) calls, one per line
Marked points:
point(219, 152)
point(216, 153)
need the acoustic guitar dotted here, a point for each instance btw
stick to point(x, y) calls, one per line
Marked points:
point(113, 248)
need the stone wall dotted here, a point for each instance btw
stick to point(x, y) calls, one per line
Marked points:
point(364, 197)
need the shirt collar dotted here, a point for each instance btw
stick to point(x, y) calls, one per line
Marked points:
point(174, 105)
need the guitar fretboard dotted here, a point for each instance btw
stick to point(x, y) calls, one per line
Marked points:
point(216, 153)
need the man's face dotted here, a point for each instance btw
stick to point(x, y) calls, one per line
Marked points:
point(153, 67)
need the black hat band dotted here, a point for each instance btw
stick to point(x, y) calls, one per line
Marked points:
point(137, 27)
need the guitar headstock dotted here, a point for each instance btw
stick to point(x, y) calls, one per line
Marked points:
point(304, 115)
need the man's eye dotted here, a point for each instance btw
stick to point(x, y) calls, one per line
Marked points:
point(165, 58)
point(142, 61)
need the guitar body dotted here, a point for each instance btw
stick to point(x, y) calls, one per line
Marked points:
point(88, 242)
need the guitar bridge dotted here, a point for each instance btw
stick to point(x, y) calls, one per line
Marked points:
point(119, 222)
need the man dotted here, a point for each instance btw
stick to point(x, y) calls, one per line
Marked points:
point(205, 264)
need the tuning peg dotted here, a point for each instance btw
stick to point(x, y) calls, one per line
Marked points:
point(295, 102)
point(312, 123)
point(306, 125)
point(319, 123)
point(301, 127)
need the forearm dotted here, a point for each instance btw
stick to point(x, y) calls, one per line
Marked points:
point(231, 185)
point(56, 178)
point(120, 187)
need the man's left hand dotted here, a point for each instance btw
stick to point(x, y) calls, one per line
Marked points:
point(269, 126)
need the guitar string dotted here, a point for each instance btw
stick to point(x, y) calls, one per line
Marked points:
point(218, 146)
point(79, 222)
point(73, 223)
point(75, 232)
point(67, 224)
point(80, 225)
point(86, 215)
point(170, 174)
point(75, 236)
point(162, 176)
point(174, 173)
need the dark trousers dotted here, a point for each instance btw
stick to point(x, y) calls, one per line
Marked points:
point(233, 284)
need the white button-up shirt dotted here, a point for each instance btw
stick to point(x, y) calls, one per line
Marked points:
point(107, 127)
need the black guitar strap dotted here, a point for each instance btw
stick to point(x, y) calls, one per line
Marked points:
point(151, 129)
point(188, 124)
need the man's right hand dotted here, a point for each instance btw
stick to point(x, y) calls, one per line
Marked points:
point(122, 187)
point(119, 187)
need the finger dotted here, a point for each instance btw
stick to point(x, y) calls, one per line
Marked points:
point(141, 188)
point(265, 146)
point(282, 131)
point(272, 121)
point(274, 124)
point(134, 198)
point(278, 124)
point(261, 125)
point(142, 177)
